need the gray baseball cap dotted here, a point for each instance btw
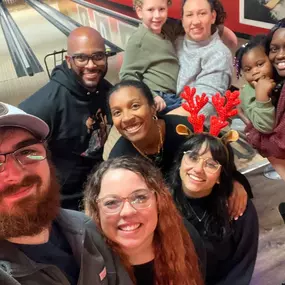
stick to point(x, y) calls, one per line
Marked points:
point(11, 116)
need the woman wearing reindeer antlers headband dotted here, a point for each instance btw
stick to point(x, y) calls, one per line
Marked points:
point(154, 138)
point(202, 182)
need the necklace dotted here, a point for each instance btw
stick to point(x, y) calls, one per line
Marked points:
point(199, 219)
point(159, 146)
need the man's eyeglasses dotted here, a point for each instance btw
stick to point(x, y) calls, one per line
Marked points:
point(139, 199)
point(81, 60)
point(25, 155)
point(210, 165)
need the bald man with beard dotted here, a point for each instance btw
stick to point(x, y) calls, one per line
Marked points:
point(73, 104)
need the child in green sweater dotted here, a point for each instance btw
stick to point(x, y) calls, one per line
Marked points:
point(262, 99)
point(256, 100)
point(150, 55)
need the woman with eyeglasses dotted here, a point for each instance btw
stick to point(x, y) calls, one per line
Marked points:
point(130, 203)
point(154, 137)
point(202, 181)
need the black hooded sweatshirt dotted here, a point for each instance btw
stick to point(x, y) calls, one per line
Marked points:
point(65, 105)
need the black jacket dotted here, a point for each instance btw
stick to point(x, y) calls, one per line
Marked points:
point(88, 247)
point(65, 105)
point(172, 142)
point(231, 260)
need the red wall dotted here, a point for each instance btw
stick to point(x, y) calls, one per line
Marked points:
point(232, 9)
point(174, 11)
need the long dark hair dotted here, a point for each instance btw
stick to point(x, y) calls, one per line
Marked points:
point(279, 25)
point(173, 264)
point(279, 80)
point(217, 221)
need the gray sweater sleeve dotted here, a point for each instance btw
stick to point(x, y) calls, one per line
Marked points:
point(206, 65)
point(214, 77)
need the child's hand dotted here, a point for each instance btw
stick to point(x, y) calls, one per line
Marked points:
point(159, 103)
point(243, 116)
point(263, 88)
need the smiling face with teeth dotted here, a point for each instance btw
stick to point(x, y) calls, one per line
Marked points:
point(131, 229)
point(133, 115)
point(277, 51)
point(86, 41)
point(153, 14)
point(197, 20)
point(196, 182)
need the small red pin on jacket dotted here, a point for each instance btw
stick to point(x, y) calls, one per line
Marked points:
point(103, 274)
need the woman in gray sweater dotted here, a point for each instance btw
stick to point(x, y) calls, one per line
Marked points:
point(205, 62)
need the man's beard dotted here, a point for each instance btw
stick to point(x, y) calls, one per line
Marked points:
point(91, 86)
point(32, 214)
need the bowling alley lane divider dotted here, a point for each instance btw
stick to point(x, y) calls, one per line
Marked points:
point(24, 60)
point(62, 22)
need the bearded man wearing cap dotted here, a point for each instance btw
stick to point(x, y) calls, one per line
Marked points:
point(73, 104)
point(40, 243)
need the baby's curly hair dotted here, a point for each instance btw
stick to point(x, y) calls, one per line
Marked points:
point(138, 3)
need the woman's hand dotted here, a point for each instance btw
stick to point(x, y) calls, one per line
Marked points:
point(237, 201)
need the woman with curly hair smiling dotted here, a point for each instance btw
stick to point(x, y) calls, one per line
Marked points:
point(130, 203)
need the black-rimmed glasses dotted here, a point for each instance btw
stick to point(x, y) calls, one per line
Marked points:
point(81, 60)
point(25, 155)
point(209, 164)
point(139, 199)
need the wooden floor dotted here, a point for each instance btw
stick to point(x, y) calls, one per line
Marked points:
point(270, 264)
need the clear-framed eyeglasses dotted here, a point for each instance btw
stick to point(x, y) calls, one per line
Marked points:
point(81, 60)
point(210, 165)
point(139, 199)
point(25, 155)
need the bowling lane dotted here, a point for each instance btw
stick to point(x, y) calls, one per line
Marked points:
point(111, 29)
point(7, 70)
point(40, 34)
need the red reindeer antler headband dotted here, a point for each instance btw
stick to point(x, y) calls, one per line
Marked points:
point(193, 106)
point(224, 105)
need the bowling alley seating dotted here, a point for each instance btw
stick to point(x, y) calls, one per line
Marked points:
point(53, 59)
